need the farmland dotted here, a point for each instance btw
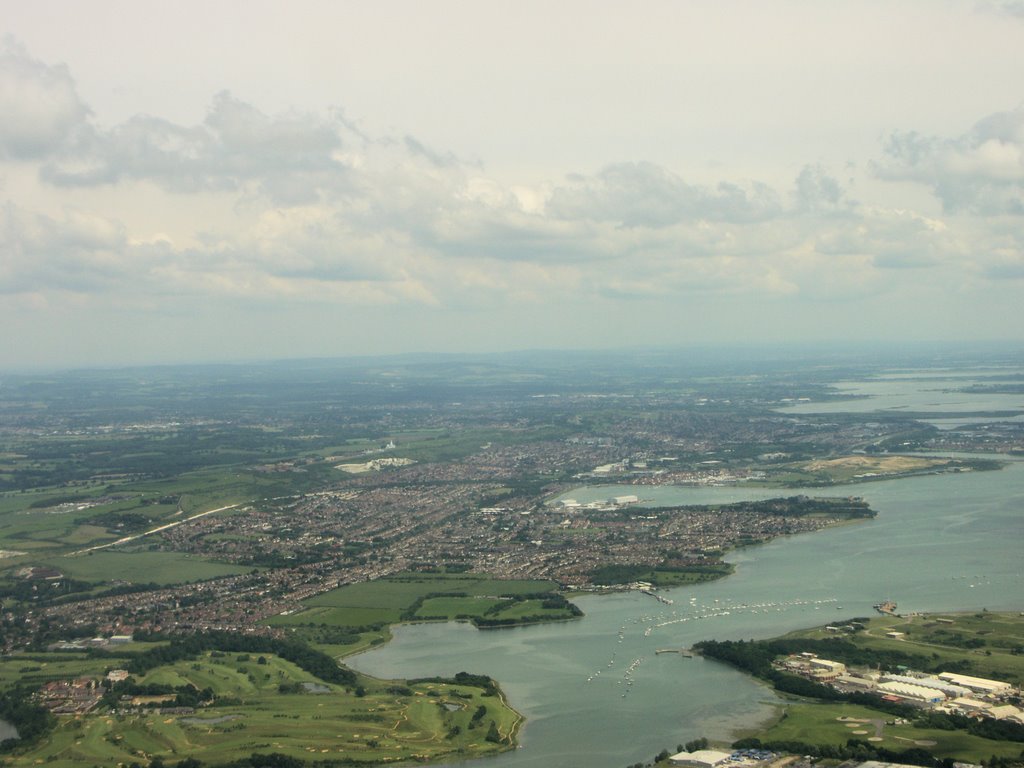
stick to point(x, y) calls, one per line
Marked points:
point(414, 596)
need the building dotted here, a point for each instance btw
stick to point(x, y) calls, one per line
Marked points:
point(856, 683)
point(702, 758)
point(952, 691)
point(978, 684)
point(912, 692)
point(1007, 712)
point(971, 706)
point(826, 671)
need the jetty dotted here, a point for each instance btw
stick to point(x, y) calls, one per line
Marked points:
point(887, 607)
point(659, 598)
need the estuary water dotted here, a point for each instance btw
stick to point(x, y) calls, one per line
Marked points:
point(926, 392)
point(596, 693)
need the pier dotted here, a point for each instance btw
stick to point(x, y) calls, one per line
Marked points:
point(659, 598)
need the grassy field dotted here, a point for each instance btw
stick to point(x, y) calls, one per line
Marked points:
point(142, 567)
point(27, 524)
point(386, 600)
point(836, 723)
point(380, 721)
point(36, 669)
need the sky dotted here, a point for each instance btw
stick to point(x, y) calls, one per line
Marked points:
point(215, 181)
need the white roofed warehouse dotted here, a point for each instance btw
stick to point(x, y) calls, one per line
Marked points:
point(702, 758)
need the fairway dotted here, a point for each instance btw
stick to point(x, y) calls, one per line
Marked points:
point(266, 704)
point(835, 724)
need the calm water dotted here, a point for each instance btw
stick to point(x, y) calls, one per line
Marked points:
point(923, 393)
point(940, 542)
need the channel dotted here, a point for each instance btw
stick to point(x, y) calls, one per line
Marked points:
point(595, 693)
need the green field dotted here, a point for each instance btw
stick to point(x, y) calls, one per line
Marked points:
point(27, 524)
point(380, 721)
point(388, 600)
point(142, 567)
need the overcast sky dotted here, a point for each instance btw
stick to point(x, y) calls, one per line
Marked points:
point(197, 181)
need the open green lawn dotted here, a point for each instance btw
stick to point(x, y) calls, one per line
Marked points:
point(384, 600)
point(389, 722)
point(453, 607)
point(821, 724)
point(142, 567)
point(36, 671)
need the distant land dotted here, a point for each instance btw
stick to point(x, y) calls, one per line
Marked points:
point(169, 521)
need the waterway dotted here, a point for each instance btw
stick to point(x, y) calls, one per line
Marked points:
point(940, 542)
point(925, 392)
point(595, 693)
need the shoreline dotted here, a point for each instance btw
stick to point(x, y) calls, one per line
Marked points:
point(875, 640)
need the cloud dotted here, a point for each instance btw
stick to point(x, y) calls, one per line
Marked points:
point(891, 239)
point(979, 172)
point(1012, 8)
point(816, 189)
point(289, 159)
point(40, 111)
point(646, 195)
point(314, 212)
point(78, 252)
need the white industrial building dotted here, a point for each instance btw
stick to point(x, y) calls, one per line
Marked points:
point(832, 666)
point(1007, 712)
point(860, 683)
point(703, 758)
point(912, 692)
point(978, 684)
point(952, 691)
point(971, 705)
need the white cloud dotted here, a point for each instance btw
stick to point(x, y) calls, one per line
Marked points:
point(79, 252)
point(646, 195)
point(1012, 8)
point(981, 171)
point(313, 214)
point(289, 159)
point(40, 111)
point(817, 189)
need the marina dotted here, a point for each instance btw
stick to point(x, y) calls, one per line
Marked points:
point(572, 678)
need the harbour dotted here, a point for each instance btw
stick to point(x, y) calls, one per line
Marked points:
point(570, 682)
